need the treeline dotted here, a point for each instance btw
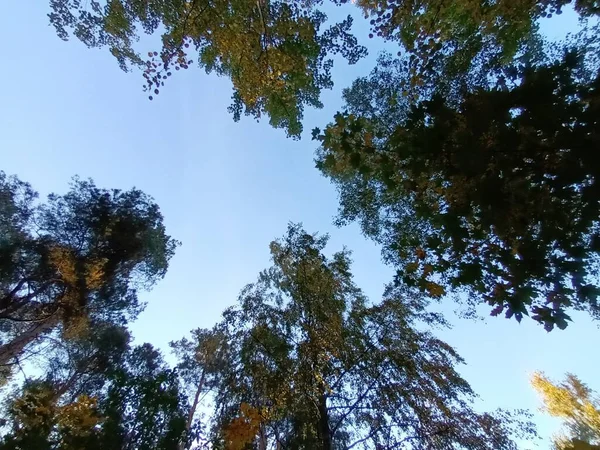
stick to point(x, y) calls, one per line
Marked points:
point(304, 360)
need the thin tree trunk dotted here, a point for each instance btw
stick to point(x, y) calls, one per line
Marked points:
point(324, 431)
point(11, 303)
point(14, 348)
point(10, 296)
point(262, 438)
point(64, 387)
point(190, 418)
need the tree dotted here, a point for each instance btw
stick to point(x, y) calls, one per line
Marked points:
point(38, 422)
point(60, 409)
point(450, 38)
point(493, 190)
point(198, 367)
point(275, 52)
point(79, 258)
point(144, 407)
point(278, 58)
point(84, 365)
point(577, 405)
point(139, 406)
point(311, 364)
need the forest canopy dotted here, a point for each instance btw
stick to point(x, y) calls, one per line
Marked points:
point(469, 155)
point(303, 361)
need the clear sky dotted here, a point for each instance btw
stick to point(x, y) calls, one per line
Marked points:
point(226, 190)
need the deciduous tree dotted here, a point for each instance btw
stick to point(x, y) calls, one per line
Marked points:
point(447, 39)
point(199, 364)
point(313, 365)
point(138, 406)
point(493, 191)
point(577, 405)
point(276, 53)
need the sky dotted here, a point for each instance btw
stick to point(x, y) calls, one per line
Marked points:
point(226, 190)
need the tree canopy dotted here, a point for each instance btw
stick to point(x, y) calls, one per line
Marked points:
point(77, 259)
point(447, 39)
point(138, 406)
point(313, 365)
point(276, 53)
point(577, 405)
point(471, 156)
point(304, 361)
point(493, 191)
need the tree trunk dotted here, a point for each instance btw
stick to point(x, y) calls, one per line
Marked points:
point(324, 431)
point(64, 387)
point(14, 348)
point(262, 438)
point(190, 418)
point(11, 302)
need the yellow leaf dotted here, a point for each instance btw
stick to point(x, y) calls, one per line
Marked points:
point(434, 289)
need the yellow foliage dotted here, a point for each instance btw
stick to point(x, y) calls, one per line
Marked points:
point(411, 267)
point(35, 408)
point(89, 276)
point(76, 327)
point(434, 289)
point(39, 409)
point(80, 417)
point(576, 444)
point(427, 269)
point(242, 430)
point(64, 260)
point(95, 274)
point(572, 401)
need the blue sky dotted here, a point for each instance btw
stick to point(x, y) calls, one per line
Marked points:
point(226, 190)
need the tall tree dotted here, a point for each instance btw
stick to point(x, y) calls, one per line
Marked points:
point(199, 363)
point(138, 407)
point(276, 53)
point(494, 191)
point(313, 365)
point(79, 258)
point(83, 365)
point(576, 404)
point(144, 408)
point(39, 422)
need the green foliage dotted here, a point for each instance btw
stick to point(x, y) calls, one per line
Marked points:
point(577, 405)
point(303, 361)
point(199, 358)
point(138, 406)
point(472, 158)
point(452, 35)
point(39, 422)
point(493, 190)
point(83, 365)
point(275, 53)
point(199, 364)
point(143, 408)
point(76, 259)
point(312, 364)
